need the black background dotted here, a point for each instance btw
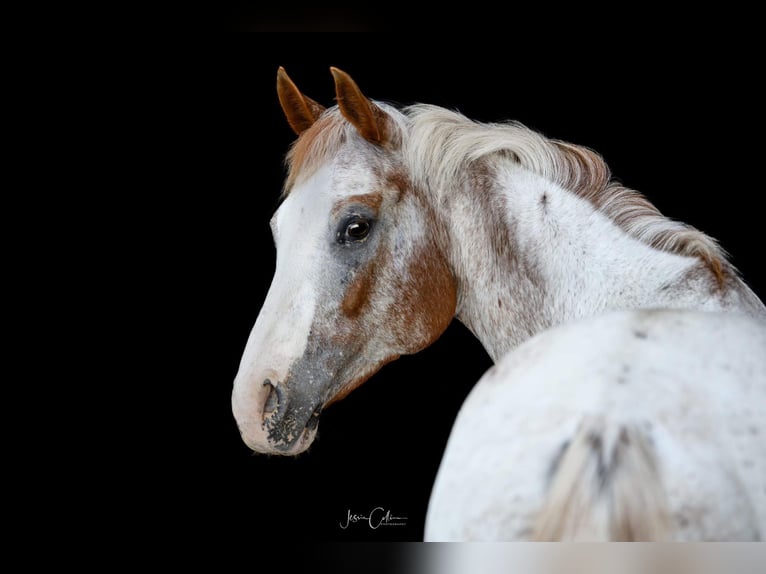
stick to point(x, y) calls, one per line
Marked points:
point(677, 128)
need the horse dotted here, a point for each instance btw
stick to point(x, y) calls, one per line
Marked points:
point(627, 400)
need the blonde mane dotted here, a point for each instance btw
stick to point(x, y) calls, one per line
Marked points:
point(443, 144)
point(440, 146)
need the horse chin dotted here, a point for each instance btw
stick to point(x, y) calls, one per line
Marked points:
point(302, 444)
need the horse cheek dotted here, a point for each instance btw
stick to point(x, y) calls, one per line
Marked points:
point(428, 300)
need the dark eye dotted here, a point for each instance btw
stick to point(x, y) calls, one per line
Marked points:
point(357, 229)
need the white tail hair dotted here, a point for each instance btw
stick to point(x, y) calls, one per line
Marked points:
point(606, 486)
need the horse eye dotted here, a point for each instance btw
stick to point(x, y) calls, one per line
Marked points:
point(357, 229)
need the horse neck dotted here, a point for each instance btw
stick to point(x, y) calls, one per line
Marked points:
point(528, 255)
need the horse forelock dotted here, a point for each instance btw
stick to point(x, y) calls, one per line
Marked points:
point(320, 143)
point(315, 146)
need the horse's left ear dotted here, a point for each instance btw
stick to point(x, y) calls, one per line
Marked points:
point(367, 118)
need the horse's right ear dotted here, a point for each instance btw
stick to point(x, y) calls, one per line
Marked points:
point(301, 111)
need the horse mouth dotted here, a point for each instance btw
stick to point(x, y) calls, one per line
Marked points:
point(290, 439)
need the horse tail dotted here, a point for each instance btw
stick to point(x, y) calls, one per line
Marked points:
point(605, 485)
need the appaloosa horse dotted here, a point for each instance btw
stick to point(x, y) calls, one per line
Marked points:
point(628, 399)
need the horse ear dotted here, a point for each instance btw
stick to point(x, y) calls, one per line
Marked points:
point(301, 111)
point(366, 117)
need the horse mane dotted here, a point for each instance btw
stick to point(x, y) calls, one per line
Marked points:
point(442, 145)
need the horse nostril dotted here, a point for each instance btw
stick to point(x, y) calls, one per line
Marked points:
point(274, 400)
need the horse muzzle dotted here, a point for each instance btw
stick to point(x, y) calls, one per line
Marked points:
point(273, 420)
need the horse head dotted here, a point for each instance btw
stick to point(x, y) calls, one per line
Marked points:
point(361, 277)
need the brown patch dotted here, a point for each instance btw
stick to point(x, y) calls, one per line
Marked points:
point(392, 180)
point(432, 299)
point(428, 299)
point(359, 290)
point(371, 200)
point(356, 296)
